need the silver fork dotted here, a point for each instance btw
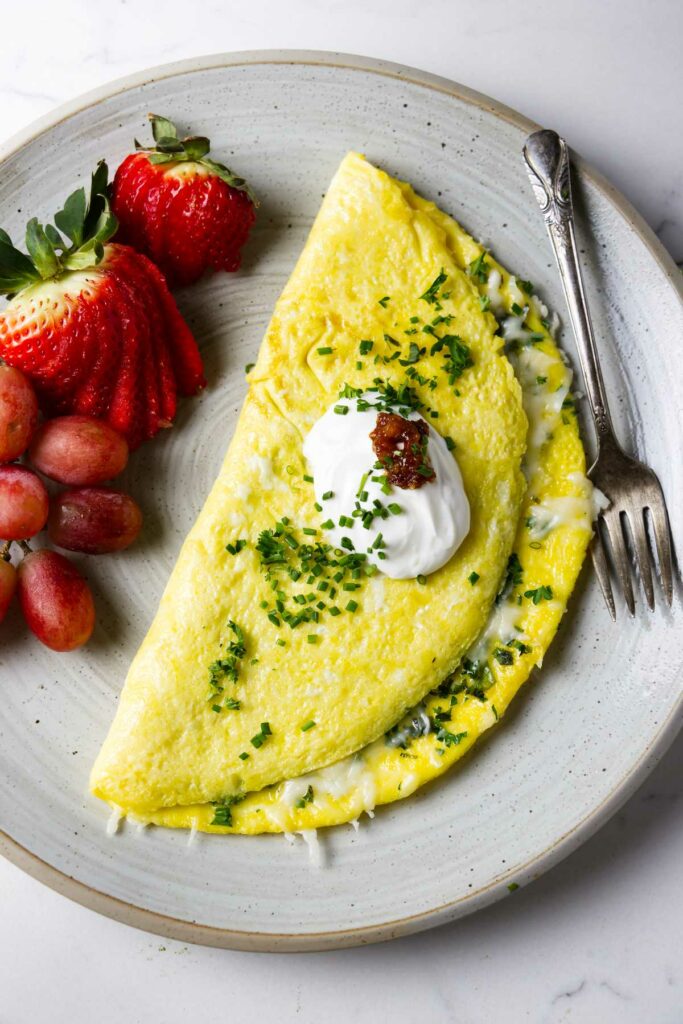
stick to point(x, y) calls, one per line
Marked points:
point(633, 490)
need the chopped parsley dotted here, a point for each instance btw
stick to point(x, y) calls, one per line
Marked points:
point(227, 667)
point(458, 355)
point(513, 577)
point(503, 657)
point(450, 739)
point(539, 594)
point(431, 295)
point(479, 269)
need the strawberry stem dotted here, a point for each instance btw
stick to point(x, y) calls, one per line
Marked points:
point(170, 149)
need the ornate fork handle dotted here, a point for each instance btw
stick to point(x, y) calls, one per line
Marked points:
point(547, 160)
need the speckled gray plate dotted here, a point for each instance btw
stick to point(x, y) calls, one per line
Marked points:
point(608, 700)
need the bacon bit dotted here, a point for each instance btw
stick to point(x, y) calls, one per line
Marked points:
point(401, 448)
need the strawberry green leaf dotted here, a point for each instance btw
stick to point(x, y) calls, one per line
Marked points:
point(161, 158)
point(89, 255)
point(54, 237)
point(106, 224)
point(98, 181)
point(16, 269)
point(171, 146)
point(71, 219)
point(196, 148)
point(226, 175)
point(40, 250)
point(162, 128)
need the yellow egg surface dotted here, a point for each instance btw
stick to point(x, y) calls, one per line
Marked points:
point(242, 655)
point(553, 532)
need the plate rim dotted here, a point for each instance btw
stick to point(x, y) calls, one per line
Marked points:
point(208, 935)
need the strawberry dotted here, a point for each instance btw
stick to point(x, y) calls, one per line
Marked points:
point(92, 323)
point(187, 213)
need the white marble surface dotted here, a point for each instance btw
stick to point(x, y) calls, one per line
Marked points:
point(598, 939)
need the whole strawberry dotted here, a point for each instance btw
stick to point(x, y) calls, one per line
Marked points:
point(92, 323)
point(186, 212)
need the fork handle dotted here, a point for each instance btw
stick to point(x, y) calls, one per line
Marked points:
point(547, 160)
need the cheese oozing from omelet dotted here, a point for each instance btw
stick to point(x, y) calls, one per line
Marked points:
point(274, 653)
point(553, 532)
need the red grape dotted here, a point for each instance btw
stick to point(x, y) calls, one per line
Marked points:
point(94, 520)
point(23, 503)
point(56, 601)
point(18, 413)
point(78, 450)
point(8, 583)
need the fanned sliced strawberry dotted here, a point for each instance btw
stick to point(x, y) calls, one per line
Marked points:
point(94, 395)
point(194, 214)
point(93, 325)
point(138, 274)
point(138, 301)
point(185, 357)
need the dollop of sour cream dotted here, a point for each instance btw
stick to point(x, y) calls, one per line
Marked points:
point(433, 520)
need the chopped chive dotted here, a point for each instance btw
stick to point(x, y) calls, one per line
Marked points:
point(327, 495)
point(236, 546)
point(309, 531)
point(395, 509)
point(328, 524)
point(309, 479)
point(383, 301)
point(243, 756)
point(308, 725)
point(325, 351)
point(365, 347)
point(341, 410)
point(334, 610)
point(421, 579)
point(352, 606)
point(473, 577)
point(311, 638)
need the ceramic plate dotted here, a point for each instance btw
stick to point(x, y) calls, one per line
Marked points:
point(584, 732)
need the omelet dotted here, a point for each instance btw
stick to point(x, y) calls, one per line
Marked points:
point(552, 536)
point(273, 655)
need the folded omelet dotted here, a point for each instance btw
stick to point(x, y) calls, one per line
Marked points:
point(273, 655)
point(553, 532)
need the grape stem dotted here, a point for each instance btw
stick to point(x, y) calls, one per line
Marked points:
point(25, 547)
point(5, 550)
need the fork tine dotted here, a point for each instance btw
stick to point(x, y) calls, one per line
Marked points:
point(602, 572)
point(636, 522)
point(660, 525)
point(613, 525)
